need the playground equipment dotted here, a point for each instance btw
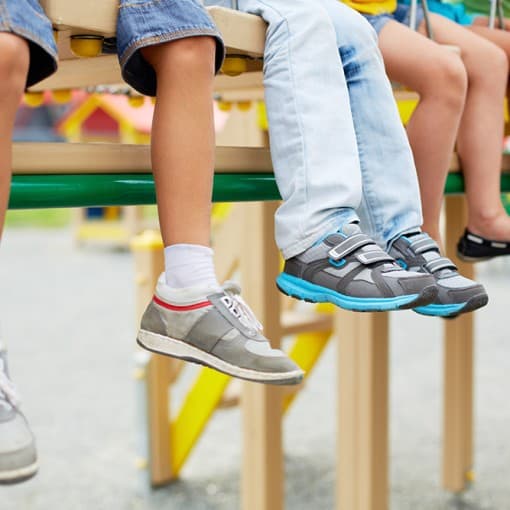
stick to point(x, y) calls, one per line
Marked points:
point(120, 174)
point(108, 118)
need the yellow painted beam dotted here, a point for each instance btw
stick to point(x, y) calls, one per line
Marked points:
point(200, 404)
point(305, 352)
point(406, 108)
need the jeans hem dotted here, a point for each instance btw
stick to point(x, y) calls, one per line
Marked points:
point(409, 230)
point(326, 228)
point(167, 37)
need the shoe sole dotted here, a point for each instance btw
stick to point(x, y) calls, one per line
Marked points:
point(467, 258)
point(18, 475)
point(174, 348)
point(453, 310)
point(313, 293)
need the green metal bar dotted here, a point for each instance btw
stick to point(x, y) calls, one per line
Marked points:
point(455, 184)
point(86, 190)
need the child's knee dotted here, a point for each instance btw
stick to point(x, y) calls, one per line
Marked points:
point(488, 65)
point(14, 63)
point(498, 62)
point(184, 54)
point(447, 78)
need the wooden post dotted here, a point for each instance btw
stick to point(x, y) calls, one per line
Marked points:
point(262, 476)
point(148, 253)
point(132, 219)
point(458, 370)
point(362, 475)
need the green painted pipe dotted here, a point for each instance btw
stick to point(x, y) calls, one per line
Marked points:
point(86, 190)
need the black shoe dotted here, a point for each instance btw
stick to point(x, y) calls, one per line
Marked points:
point(473, 248)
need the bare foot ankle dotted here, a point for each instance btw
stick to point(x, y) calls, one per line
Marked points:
point(496, 228)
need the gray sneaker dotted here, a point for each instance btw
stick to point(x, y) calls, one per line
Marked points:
point(457, 294)
point(215, 329)
point(18, 456)
point(351, 271)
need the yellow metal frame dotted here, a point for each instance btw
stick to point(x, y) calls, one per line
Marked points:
point(196, 411)
point(205, 394)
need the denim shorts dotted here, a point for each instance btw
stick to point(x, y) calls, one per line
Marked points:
point(145, 23)
point(455, 12)
point(26, 19)
point(401, 15)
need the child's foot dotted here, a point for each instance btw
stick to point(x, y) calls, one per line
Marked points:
point(18, 457)
point(473, 248)
point(457, 294)
point(353, 272)
point(215, 328)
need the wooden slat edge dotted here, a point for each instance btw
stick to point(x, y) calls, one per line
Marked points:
point(67, 158)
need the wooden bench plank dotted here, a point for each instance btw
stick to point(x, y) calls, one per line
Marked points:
point(62, 158)
point(105, 70)
point(77, 74)
point(243, 33)
point(86, 158)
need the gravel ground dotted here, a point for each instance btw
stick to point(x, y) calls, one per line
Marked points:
point(67, 316)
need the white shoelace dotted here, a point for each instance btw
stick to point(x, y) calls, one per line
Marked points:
point(238, 307)
point(7, 388)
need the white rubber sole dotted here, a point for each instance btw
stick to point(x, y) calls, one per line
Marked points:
point(182, 350)
point(18, 475)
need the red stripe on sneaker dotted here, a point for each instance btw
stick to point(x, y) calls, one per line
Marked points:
point(185, 308)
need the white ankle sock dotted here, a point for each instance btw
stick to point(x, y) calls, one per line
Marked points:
point(189, 265)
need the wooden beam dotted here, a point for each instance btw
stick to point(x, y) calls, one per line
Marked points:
point(294, 322)
point(77, 73)
point(262, 476)
point(72, 158)
point(458, 369)
point(362, 475)
point(148, 253)
point(85, 16)
point(243, 33)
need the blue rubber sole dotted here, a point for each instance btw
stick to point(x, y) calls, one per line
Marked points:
point(453, 310)
point(307, 291)
point(435, 310)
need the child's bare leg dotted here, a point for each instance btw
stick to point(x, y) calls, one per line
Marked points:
point(191, 317)
point(440, 79)
point(481, 129)
point(500, 38)
point(14, 61)
point(483, 21)
point(183, 138)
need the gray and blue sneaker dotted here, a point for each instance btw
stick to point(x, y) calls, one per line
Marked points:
point(351, 271)
point(18, 456)
point(216, 328)
point(457, 294)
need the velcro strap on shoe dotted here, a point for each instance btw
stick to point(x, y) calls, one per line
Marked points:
point(438, 264)
point(373, 256)
point(423, 243)
point(349, 245)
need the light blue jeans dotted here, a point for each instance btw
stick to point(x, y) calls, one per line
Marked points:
point(340, 152)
